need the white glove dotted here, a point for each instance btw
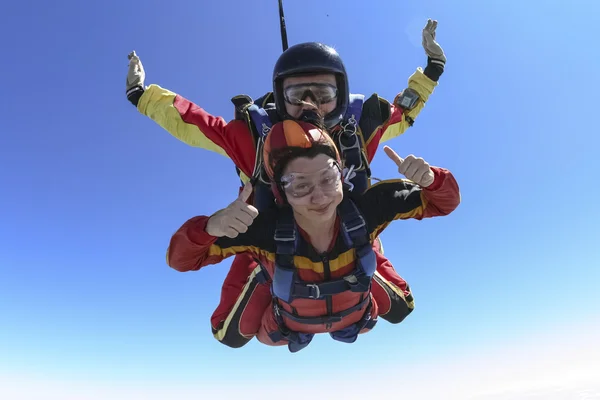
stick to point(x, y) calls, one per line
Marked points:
point(135, 74)
point(413, 168)
point(432, 48)
point(234, 219)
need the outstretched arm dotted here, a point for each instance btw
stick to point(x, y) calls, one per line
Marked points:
point(428, 192)
point(409, 103)
point(188, 122)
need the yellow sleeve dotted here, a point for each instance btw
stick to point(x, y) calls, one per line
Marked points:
point(424, 86)
point(199, 129)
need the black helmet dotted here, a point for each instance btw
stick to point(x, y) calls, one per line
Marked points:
point(311, 58)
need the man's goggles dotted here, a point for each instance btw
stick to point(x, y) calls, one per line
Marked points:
point(321, 93)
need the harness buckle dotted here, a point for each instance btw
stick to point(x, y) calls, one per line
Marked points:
point(285, 235)
point(354, 145)
point(317, 291)
point(356, 223)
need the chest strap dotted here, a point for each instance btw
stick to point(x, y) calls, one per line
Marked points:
point(286, 284)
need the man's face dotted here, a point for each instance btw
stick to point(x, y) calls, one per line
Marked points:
point(310, 92)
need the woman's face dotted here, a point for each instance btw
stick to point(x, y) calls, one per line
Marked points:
point(298, 92)
point(313, 186)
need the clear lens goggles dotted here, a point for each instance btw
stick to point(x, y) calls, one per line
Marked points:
point(322, 93)
point(300, 185)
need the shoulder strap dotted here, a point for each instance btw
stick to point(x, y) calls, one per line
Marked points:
point(355, 107)
point(286, 239)
point(261, 120)
point(357, 170)
point(356, 235)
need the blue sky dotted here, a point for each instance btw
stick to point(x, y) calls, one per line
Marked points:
point(92, 190)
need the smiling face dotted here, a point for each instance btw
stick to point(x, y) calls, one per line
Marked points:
point(313, 187)
point(313, 92)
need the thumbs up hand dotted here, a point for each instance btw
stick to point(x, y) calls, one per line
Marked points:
point(235, 218)
point(413, 168)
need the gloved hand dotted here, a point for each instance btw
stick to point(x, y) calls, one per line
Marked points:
point(432, 48)
point(136, 74)
point(413, 168)
point(235, 218)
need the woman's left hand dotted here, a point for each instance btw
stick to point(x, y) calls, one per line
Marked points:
point(413, 168)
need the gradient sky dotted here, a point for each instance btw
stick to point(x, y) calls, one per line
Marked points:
point(506, 287)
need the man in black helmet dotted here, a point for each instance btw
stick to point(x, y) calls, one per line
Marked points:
point(313, 73)
point(307, 77)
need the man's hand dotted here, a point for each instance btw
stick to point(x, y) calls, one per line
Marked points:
point(234, 219)
point(136, 74)
point(432, 48)
point(413, 168)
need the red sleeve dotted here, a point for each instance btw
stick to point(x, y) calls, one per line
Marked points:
point(192, 248)
point(442, 196)
point(233, 137)
point(189, 247)
point(373, 143)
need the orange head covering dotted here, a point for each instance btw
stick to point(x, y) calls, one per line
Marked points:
point(290, 133)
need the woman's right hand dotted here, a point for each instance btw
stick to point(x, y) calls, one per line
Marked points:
point(234, 219)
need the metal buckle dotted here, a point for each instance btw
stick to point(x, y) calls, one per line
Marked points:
point(361, 224)
point(317, 290)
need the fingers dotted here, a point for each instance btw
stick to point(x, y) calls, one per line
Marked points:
point(431, 26)
point(413, 168)
point(393, 155)
point(246, 192)
point(428, 179)
point(421, 173)
point(245, 217)
point(230, 233)
point(410, 168)
point(239, 220)
point(417, 170)
point(237, 225)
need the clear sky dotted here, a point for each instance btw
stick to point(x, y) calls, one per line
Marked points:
point(506, 287)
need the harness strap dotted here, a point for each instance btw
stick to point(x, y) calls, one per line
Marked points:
point(355, 107)
point(356, 235)
point(350, 333)
point(261, 120)
point(318, 290)
point(298, 341)
point(351, 146)
point(263, 196)
point(326, 319)
point(286, 286)
point(285, 269)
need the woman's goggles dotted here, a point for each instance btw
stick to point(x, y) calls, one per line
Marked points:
point(300, 184)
